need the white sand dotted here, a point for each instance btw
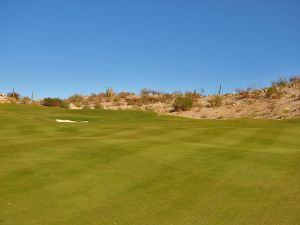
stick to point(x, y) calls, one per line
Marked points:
point(69, 121)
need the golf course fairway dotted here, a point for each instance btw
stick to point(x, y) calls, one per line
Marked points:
point(138, 168)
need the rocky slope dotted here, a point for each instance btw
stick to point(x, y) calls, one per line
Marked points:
point(281, 100)
point(276, 102)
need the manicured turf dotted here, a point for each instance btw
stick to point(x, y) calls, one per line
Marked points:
point(136, 168)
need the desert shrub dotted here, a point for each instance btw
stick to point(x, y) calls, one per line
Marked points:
point(64, 104)
point(109, 92)
point(243, 95)
point(76, 99)
point(86, 105)
point(125, 94)
point(166, 98)
point(95, 99)
point(98, 106)
point(149, 99)
point(239, 90)
point(183, 103)
point(215, 101)
point(25, 100)
point(256, 94)
point(146, 91)
point(116, 98)
point(53, 102)
point(14, 95)
point(194, 95)
point(273, 92)
point(295, 78)
point(102, 95)
point(133, 101)
point(279, 83)
point(177, 93)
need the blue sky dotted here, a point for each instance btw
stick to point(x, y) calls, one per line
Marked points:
point(61, 47)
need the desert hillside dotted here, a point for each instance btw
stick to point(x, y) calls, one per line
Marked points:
point(280, 100)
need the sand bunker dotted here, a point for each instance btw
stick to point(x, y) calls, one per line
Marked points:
point(70, 121)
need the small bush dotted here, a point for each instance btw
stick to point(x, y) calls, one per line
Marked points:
point(149, 99)
point(166, 98)
point(53, 102)
point(116, 98)
point(86, 105)
point(146, 91)
point(14, 95)
point(125, 94)
point(280, 83)
point(273, 92)
point(133, 100)
point(95, 99)
point(98, 106)
point(183, 103)
point(194, 95)
point(215, 101)
point(64, 104)
point(243, 95)
point(25, 100)
point(295, 78)
point(109, 92)
point(76, 99)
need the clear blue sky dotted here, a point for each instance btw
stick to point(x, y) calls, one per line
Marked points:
point(61, 47)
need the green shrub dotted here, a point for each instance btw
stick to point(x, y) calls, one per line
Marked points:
point(53, 102)
point(215, 101)
point(183, 103)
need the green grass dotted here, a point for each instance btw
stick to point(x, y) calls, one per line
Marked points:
point(137, 168)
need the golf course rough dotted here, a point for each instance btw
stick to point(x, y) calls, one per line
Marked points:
point(137, 168)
